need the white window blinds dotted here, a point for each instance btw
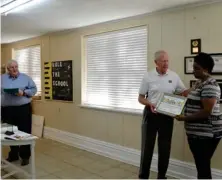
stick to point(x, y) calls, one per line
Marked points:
point(115, 64)
point(29, 62)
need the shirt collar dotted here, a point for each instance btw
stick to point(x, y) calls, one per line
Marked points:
point(13, 77)
point(209, 79)
point(158, 74)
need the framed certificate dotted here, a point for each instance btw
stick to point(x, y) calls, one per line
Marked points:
point(188, 64)
point(170, 104)
point(217, 70)
point(219, 81)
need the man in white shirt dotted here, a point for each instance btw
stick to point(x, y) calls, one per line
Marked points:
point(157, 81)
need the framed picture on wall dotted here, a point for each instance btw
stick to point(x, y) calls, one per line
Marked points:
point(192, 83)
point(188, 64)
point(219, 81)
point(217, 70)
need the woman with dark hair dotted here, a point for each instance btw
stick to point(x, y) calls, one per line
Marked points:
point(203, 120)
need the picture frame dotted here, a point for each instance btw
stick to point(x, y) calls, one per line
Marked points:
point(217, 57)
point(192, 83)
point(217, 70)
point(219, 81)
point(170, 104)
point(188, 64)
point(195, 46)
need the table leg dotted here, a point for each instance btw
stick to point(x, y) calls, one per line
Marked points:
point(33, 160)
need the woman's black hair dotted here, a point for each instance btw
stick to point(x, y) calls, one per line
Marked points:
point(205, 61)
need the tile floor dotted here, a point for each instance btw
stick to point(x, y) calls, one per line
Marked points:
point(58, 161)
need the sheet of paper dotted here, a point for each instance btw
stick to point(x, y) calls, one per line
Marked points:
point(19, 135)
point(8, 127)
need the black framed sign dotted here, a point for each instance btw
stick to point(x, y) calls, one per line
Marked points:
point(62, 80)
point(188, 64)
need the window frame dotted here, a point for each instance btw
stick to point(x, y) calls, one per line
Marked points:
point(84, 74)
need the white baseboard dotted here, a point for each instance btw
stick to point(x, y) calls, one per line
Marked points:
point(177, 169)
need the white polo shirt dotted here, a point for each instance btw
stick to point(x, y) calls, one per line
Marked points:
point(154, 84)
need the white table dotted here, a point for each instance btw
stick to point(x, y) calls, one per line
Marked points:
point(30, 140)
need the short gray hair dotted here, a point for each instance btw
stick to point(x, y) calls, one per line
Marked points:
point(9, 62)
point(158, 54)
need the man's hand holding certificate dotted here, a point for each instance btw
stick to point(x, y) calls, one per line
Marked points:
point(171, 105)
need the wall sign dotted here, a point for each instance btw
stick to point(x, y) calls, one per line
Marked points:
point(59, 86)
point(62, 85)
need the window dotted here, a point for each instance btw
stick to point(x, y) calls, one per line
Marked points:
point(114, 67)
point(29, 62)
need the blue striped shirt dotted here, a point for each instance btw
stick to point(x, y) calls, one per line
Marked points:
point(24, 83)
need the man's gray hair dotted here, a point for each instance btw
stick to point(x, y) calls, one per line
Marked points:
point(9, 62)
point(158, 54)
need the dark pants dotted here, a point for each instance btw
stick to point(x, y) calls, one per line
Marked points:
point(203, 150)
point(153, 124)
point(20, 116)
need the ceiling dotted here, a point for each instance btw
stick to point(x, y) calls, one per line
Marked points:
point(45, 16)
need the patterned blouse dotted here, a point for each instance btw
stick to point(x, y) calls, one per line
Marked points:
point(210, 127)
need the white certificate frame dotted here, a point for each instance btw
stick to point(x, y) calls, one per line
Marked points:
point(188, 64)
point(171, 107)
point(217, 57)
